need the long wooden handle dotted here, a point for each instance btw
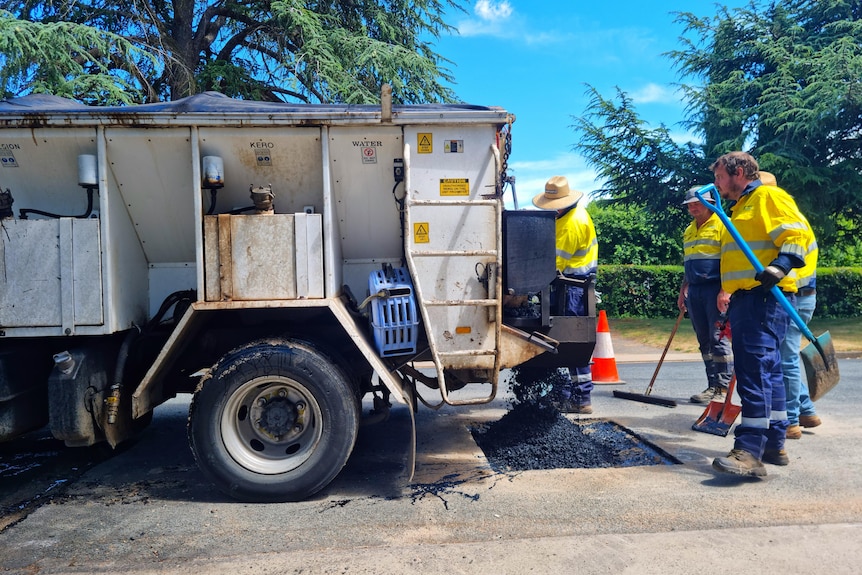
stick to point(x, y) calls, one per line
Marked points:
point(664, 353)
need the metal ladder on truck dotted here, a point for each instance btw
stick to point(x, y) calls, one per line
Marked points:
point(482, 350)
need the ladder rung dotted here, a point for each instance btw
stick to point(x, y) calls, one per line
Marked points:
point(462, 302)
point(453, 253)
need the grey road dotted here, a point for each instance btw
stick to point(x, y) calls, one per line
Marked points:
point(149, 510)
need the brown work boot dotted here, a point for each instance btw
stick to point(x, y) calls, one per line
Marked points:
point(583, 409)
point(793, 432)
point(809, 421)
point(709, 394)
point(740, 462)
point(571, 406)
point(776, 457)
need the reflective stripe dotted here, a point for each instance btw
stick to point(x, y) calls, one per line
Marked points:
point(771, 224)
point(702, 251)
point(778, 415)
point(737, 275)
point(723, 358)
point(577, 248)
point(583, 377)
point(584, 271)
point(794, 250)
point(775, 234)
point(697, 256)
point(755, 422)
point(579, 253)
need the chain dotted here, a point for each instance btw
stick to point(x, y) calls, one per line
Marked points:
point(507, 149)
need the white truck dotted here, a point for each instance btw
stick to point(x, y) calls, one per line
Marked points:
point(282, 263)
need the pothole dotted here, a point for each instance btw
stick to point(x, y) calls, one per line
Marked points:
point(527, 439)
point(534, 435)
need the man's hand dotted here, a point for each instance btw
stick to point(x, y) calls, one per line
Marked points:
point(722, 302)
point(770, 276)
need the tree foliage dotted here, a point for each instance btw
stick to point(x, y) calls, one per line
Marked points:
point(629, 234)
point(641, 167)
point(291, 50)
point(781, 79)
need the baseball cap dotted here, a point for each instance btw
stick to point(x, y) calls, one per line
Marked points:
point(691, 197)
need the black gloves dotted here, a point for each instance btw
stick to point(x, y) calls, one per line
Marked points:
point(770, 276)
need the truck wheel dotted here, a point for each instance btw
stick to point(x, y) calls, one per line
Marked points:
point(275, 420)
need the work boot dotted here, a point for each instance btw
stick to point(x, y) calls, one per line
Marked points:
point(793, 432)
point(809, 421)
point(776, 457)
point(583, 409)
point(571, 406)
point(740, 462)
point(709, 394)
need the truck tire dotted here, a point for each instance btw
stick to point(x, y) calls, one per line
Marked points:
point(275, 420)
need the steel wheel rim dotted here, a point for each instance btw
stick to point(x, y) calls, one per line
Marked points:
point(259, 447)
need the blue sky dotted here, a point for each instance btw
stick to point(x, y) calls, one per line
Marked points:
point(535, 58)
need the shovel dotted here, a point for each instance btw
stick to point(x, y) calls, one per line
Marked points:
point(821, 366)
point(646, 397)
point(718, 417)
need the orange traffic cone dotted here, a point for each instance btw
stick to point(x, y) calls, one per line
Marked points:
point(604, 365)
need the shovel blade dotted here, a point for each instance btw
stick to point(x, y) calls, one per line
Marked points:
point(717, 418)
point(821, 366)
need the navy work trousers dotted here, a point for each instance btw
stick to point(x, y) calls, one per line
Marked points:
point(759, 324)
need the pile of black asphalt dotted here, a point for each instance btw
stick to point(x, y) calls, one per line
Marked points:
point(534, 435)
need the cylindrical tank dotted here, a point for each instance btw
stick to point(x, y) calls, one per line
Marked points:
point(87, 177)
point(213, 172)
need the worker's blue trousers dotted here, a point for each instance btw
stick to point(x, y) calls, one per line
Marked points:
point(581, 375)
point(714, 349)
point(758, 324)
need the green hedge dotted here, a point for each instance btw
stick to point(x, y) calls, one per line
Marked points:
point(651, 291)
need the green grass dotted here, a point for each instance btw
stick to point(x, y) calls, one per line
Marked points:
point(846, 334)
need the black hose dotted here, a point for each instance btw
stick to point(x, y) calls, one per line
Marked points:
point(213, 194)
point(24, 211)
point(117, 387)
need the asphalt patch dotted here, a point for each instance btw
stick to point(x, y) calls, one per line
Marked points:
point(534, 435)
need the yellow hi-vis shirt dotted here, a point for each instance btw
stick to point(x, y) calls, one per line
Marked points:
point(577, 245)
point(769, 221)
point(806, 275)
point(702, 251)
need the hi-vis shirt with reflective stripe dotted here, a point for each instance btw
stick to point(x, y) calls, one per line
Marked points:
point(806, 276)
point(577, 246)
point(771, 224)
point(702, 251)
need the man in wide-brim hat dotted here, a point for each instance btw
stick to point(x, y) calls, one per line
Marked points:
point(577, 257)
point(557, 195)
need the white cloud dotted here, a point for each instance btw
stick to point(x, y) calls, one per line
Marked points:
point(654, 94)
point(491, 19)
point(685, 137)
point(493, 11)
point(530, 177)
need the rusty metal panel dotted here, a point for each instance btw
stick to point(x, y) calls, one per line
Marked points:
point(262, 257)
point(309, 255)
point(212, 282)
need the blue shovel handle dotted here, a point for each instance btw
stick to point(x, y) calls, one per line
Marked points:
point(758, 267)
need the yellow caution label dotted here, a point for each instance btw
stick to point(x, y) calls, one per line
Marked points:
point(420, 233)
point(424, 143)
point(454, 187)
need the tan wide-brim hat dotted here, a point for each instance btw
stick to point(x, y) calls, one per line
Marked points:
point(557, 195)
point(768, 179)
